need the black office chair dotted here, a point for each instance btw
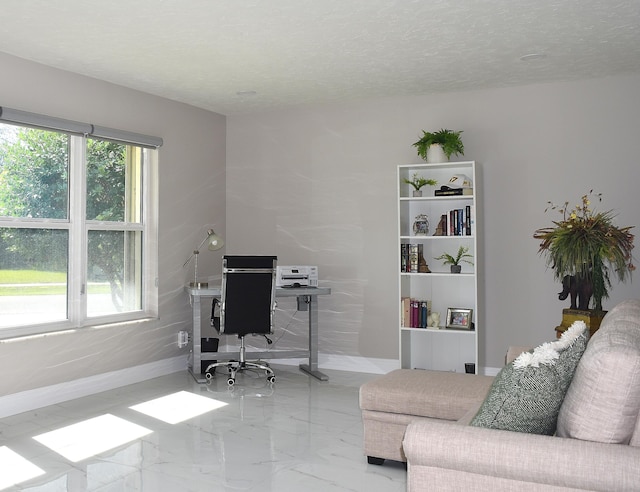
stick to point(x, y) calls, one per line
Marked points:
point(247, 306)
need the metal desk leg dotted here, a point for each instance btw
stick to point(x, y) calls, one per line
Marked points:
point(312, 367)
point(196, 342)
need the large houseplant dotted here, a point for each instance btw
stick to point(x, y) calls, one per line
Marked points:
point(587, 248)
point(449, 140)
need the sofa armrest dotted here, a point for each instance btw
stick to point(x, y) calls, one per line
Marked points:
point(531, 458)
point(514, 351)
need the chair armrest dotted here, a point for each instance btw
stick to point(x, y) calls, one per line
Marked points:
point(523, 457)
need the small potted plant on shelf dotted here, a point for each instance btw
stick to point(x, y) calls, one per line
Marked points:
point(433, 146)
point(454, 261)
point(584, 249)
point(418, 182)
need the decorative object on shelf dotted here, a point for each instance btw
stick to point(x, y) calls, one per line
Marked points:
point(584, 249)
point(421, 225)
point(459, 182)
point(422, 264)
point(441, 229)
point(434, 147)
point(434, 320)
point(454, 261)
point(460, 318)
point(214, 243)
point(418, 182)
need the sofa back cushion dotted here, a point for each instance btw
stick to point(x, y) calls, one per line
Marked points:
point(603, 401)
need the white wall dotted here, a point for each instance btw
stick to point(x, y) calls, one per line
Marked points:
point(192, 197)
point(317, 186)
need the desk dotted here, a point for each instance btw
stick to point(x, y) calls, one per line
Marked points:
point(306, 296)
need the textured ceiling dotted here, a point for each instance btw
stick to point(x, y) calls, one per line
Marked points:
point(208, 53)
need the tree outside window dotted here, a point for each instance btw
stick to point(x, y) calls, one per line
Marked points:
point(55, 262)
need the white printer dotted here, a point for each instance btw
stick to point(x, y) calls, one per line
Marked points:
point(297, 276)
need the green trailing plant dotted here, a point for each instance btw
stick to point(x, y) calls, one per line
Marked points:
point(418, 182)
point(461, 255)
point(587, 245)
point(449, 140)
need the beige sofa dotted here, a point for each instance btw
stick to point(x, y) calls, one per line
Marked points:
point(596, 446)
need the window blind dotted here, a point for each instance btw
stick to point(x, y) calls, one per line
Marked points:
point(26, 118)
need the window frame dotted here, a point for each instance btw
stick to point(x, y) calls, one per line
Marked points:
point(78, 228)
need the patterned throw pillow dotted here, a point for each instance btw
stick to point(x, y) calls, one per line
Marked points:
point(526, 395)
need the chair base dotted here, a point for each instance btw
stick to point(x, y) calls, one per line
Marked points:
point(238, 366)
point(235, 366)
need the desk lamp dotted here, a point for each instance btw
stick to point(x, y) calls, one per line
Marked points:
point(214, 243)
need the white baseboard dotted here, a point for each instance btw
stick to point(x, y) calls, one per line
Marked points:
point(50, 395)
point(491, 371)
point(347, 363)
point(362, 364)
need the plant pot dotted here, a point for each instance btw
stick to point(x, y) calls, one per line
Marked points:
point(417, 193)
point(591, 318)
point(435, 154)
point(456, 268)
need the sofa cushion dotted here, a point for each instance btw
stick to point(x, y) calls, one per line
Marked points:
point(527, 393)
point(435, 394)
point(603, 401)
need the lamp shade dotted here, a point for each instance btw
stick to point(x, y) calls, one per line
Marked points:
point(214, 242)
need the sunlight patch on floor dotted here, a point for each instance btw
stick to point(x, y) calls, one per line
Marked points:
point(91, 437)
point(14, 469)
point(178, 407)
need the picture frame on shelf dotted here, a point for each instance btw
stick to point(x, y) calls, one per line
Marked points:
point(459, 319)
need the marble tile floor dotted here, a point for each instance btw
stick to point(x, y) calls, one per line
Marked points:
point(300, 434)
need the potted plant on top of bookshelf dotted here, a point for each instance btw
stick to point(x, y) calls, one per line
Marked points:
point(434, 147)
point(454, 261)
point(584, 249)
point(418, 182)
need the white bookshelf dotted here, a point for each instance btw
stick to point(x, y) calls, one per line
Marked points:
point(443, 348)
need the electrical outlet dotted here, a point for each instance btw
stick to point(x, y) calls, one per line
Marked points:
point(183, 339)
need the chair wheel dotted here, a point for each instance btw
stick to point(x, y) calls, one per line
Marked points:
point(231, 382)
point(271, 379)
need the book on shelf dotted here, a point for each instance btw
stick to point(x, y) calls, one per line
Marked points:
point(415, 253)
point(404, 257)
point(457, 222)
point(453, 192)
point(405, 312)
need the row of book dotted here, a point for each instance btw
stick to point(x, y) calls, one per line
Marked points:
point(458, 222)
point(415, 312)
point(411, 258)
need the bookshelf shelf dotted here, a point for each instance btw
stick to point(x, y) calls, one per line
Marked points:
point(442, 331)
point(438, 291)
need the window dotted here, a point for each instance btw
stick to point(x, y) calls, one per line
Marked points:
point(78, 219)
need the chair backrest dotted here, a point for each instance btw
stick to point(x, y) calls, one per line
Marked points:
point(247, 301)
